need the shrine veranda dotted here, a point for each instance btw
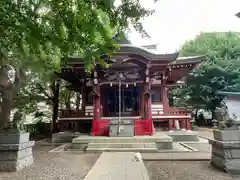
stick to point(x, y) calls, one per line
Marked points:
point(130, 96)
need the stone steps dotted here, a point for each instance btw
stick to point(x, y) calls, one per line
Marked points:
point(118, 144)
point(122, 145)
point(135, 139)
point(183, 136)
point(146, 150)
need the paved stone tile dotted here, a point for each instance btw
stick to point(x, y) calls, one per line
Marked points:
point(117, 166)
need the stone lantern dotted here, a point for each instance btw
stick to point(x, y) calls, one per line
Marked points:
point(226, 142)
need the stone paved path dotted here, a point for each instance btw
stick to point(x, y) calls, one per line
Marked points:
point(117, 166)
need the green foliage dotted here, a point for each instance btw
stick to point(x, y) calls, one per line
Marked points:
point(39, 127)
point(219, 71)
point(37, 35)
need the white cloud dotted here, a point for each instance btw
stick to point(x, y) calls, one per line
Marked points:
point(176, 21)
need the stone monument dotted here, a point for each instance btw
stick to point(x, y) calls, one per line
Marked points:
point(226, 142)
point(15, 149)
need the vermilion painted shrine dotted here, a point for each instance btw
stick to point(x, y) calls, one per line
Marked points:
point(134, 88)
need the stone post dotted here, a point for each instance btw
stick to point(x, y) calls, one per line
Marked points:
point(193, 124)
point(226, 150)
point(15, 150)
point(214, 124)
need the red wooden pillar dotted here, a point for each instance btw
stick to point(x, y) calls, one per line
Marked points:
point(96, 110)
point(148, 101)
point(142, 101)
point(96, 104)
point(165, 98)
point(170, 124)
point(165, 102)
point(147, 96)
point(181, 124)
point(187, 124)
point(164, 93)
point(84, 97)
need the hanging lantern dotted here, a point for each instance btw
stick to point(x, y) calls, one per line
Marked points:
point(147, 79)
point(95, 81)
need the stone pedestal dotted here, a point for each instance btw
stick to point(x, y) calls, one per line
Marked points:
point(126, 128)
point(226, 150)
point(183, 135)
point(64, 137)
point(15, 151)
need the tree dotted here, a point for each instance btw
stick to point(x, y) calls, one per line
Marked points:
point(37, 35)
point(219, 71)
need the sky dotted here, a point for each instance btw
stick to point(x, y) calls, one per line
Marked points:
point(176, 21)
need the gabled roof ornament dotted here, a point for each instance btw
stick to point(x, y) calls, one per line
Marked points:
point(238, 14)
point(121, 38)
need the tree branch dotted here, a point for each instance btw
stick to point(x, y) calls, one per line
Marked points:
point(38, 85)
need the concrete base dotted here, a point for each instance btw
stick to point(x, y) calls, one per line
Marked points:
point(136, 143)
point(15, 151)
point(226, 152)
point(126, 128)
point(226, 135)
point(64, 137)
point(183, 135)
point(231, 166)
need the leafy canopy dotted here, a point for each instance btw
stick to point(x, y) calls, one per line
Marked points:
point(37, 34)
point(219, 71)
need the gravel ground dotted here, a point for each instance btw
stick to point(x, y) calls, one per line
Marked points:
point(203, 147)
point(206, 133)
point(54, 166)
point(183, 170)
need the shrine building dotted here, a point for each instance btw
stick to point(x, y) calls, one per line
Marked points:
point(134, 87)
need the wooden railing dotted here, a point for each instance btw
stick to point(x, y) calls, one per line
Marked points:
point(169, 111)
point(72, 114)
point(41, 128)
point(172, 111)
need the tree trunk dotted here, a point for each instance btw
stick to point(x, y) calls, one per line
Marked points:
point(6, 97)
point(55, 103)
point(6, 107)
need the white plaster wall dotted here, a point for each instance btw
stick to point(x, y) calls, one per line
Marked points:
point(233, 107)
